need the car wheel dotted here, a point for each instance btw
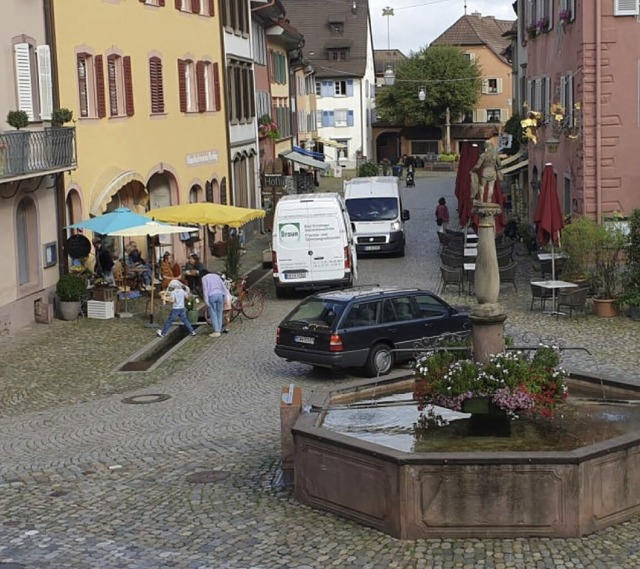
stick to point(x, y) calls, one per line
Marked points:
point(402, 251)
point(281, 292)
point(379, 361)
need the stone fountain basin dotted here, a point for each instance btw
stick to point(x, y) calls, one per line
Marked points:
point(465, 494)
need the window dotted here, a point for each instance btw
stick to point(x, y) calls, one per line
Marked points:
point(153, 2)
point(493, 115)
point(278, 69)
point(27, 241)
point(470, 56)
point(208, 81)
point(318, 89)
point(344, 152)
point(33, 79)
point(187, 85)
point(202, 7)
point(340, 117)
point(235, 16)
point(120, 86)
point(337, 54)
point(625, 8)
point(91, 86)
point(340, 88)
point(259, 44)
point(156, 86)
point(492, 86)
point(240, 92)
point(336, 28)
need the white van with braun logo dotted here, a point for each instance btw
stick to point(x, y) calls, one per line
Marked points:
point(312, 244)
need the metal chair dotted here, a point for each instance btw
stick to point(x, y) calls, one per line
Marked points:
point(540, 293)
point(508, 275)
point(452, 260)
point(574, 299)
point(504, 258)
point(451, 276)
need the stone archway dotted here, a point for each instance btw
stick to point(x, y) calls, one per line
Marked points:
point(388, 146)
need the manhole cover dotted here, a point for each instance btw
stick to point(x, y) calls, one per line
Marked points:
point(146, 399)
point(207, 476)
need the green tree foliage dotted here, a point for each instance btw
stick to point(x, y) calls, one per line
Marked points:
point(514, 128)
point(449, 79)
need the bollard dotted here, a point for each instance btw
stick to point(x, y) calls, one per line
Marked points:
point(290, 407)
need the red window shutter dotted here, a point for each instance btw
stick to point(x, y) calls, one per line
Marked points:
point(182, 85)
point(212, 9)
point(201, 87)
point(101, 107)
point(195, 6)
point(161, 3)
point(142, 1)
point(128, 85)
point(216, 86)
point(155, 83)
point(178, 4)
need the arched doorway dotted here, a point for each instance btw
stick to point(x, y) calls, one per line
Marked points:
point(73, 206)
point(162, 189)
point(27, 245)
point(388, 146)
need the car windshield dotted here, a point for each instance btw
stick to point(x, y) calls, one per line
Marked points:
point(372, 209)
point(315, 312)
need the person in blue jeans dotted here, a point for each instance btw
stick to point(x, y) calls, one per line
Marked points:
point(177, 295)
point(214, 293)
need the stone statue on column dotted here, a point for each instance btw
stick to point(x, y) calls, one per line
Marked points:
point(485, 173)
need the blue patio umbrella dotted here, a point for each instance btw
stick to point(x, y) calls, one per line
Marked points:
point(116, 220)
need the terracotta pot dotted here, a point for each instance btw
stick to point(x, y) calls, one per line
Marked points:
point(605, 307)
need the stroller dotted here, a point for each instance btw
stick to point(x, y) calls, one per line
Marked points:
point(410, 179)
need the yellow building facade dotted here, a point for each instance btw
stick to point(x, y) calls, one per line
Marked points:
point(144, 80)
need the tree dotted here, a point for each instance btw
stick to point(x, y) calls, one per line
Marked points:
point(449, 79)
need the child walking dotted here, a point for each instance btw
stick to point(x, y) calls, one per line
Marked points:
point(442, 215)
point(177, 295)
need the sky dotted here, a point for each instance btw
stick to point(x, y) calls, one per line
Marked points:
point(416, 23)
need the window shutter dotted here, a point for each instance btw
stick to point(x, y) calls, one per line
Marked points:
point(212, 9)
point(549, 13)
point(182, 85)
point(326, 89)
point(128, 85)
point(201, 88)
point(547, 96)
point(481, 115)
point(499, 84)
point(625, 7)
point(155, 85)
point(325, 118)
point(178, 4)
point(350, 88)
point(45, 82)
point(572, 8)
point(23, 78)
point(563, 92)
point(216, 85)
point(350, 118)
point(161, 3)
point(485, 86)
point(100, 95)
point(195, 6)
point(569, 95)
point(332, 119)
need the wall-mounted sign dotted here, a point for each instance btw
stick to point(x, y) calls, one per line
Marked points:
point(273, 180)
point(204, 157)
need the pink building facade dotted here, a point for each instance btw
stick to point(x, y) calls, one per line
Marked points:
point(583, 76)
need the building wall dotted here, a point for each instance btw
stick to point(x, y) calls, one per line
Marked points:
point(17, 301)
point(191, 147)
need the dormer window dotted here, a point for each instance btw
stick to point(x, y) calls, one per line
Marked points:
point(337, 28)
point(337, 54)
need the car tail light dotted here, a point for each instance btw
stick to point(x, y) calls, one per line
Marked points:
point(278, 335)
point(347, 259)
point(335, 343)
point(274, 262)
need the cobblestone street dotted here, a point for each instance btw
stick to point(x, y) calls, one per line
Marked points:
point(89, 482)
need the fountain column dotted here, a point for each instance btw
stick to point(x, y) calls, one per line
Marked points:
point(488, 315)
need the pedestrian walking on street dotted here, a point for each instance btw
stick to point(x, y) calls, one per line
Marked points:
point(442, 215)
point(176, 293)
point(215, 293)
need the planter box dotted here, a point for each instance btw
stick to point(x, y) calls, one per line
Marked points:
point(104, 294)
point(100, 310)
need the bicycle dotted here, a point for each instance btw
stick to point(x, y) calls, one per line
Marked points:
point(247, 301)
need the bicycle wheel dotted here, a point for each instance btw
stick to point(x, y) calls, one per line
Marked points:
point(252, 303)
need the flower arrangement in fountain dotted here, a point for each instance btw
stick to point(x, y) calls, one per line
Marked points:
point(268, 127)
point(513, 381)
point(565, 16)
point(191, 302)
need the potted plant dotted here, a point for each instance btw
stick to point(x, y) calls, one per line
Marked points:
point(17, 143)
point(61, 116)
point(630, 296)
point(70, 289)
point(61, 137)
point(191, 304)
point(18, 119)
point(577, 238)
point(607, 246)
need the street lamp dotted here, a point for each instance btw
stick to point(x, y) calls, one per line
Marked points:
point(422, 95)
point(389, 76)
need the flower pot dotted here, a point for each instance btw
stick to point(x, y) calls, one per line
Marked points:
point(605, 307)
point(69, 310)
point(193, 316)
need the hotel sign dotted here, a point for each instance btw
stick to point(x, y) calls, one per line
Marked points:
point(204, 157)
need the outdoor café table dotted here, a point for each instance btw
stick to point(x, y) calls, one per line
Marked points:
point(549, 256)
point(468, 269)
point(554, 285)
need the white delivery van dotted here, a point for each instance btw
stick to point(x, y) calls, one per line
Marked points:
point(312, 243)
point(375, 209)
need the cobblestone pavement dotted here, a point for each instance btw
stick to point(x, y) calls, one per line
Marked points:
point(87, 481)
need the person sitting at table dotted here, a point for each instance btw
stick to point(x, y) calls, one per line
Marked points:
point(136, 262)
point(193, 270)
point(166, 269)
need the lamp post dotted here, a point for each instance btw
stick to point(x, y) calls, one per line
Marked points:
point(388, 12)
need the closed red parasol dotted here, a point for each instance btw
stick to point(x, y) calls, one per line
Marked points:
point(469, 154)
point(548, 218)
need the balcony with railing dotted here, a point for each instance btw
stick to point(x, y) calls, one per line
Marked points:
point(29, 153)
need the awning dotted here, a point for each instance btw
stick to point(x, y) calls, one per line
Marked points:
point(305, 160)
point(333, 143)
point(517, 166)
point(310, 153)
point(109, 183)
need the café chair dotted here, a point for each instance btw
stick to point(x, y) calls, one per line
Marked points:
point(541, 294)
point(573, 299)
point(508, 275)
point(452, 276)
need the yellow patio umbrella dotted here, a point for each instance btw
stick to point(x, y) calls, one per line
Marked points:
point(206, 213)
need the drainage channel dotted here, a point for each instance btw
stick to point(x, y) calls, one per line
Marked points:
point(152, 354)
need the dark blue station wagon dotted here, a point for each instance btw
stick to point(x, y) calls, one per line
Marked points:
point(362, 326)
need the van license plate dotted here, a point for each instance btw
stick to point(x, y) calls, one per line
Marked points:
point(304, 340)
point(372, 248)
point(295, 275)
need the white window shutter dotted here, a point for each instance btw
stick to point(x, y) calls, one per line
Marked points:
point(539, 10)
point(45, 82)
point(485, 86)
point(547, 96)
point(481, 115)
point(563, 92)
point(499, 84)
point(570, 101)
point(23, 78)
point(538, 97)
point(625, 8)
point(549, 13)
point(563, 5)
point(572, 7)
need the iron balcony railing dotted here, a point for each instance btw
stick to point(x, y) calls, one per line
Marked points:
point(32, 152)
